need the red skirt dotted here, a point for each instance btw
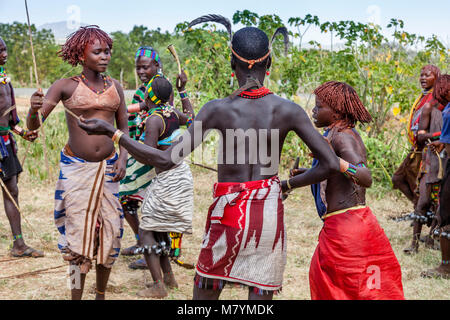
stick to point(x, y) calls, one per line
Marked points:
point(354, 260)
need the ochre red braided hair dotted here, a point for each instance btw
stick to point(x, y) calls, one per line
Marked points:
point(434, 70)
point(343, 99)
point(441, 88)
point(73, 50)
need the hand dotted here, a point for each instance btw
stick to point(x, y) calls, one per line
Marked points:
point(436, 146)
point(30, 135)
point(284, 190)
point(37, 100)
point(294, 172)
point(96, 127)
point(119, 169)
point(183, 80)
point(143, 106)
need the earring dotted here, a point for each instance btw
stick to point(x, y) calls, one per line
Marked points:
point(232, 74)
point(232, 80)
point(268, 72)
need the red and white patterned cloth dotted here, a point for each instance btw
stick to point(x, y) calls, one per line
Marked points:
point(245, 239)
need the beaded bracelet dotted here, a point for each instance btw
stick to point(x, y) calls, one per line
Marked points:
point(189, 122)
point(32, 116)
point(183, 94)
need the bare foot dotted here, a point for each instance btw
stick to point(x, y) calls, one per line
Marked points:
point(169, 280)
point(27, 252)
point(156, 290)
point(439, 272)
point(413, 249)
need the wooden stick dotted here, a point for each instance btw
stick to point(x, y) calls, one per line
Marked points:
point(44, 147)
point(21, 213)
point(16, 205)
point(172, 50)
point(31, 273)
point(201, 166)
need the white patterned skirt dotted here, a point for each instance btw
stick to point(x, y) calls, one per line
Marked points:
point(169, 201)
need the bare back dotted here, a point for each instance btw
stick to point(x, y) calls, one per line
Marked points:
point(253, 132)
point(342, 192)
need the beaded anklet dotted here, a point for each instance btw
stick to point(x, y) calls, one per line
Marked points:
point(99, 292)
point(19, 236)
point(445, 262)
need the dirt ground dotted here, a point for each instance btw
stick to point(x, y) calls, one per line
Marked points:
point(302, 223)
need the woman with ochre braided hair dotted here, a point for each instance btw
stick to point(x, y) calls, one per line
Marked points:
point(353, 259)
point(87, 213)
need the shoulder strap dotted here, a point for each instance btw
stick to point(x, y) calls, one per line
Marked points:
point(156, 113)
point(251, 82)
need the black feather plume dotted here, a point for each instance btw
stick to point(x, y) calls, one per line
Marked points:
point(284, 32)
point(213, 18)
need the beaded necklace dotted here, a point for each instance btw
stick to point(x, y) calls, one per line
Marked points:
point(255, 93)
point(4, 79)
point(166, 110)
point(83, 77)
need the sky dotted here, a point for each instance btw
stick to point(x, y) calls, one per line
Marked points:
point(420, 17)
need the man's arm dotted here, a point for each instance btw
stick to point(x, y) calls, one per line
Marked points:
point(162, 159)
point(328, 162)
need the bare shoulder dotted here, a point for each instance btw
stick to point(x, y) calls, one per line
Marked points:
point(347, 139)
point(345, 136)
point(63, 87)
point(427, 108)
point(288, 110)
point(117, 85)
point(216, 105)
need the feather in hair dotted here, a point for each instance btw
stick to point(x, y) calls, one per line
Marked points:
point(213, 18)
point(284, 32)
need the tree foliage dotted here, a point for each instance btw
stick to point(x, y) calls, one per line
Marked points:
point(384, 71)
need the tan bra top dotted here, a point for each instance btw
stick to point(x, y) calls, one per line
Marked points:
point(84, 98)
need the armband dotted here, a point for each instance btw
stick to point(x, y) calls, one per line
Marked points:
point(347, 168)
point(436, 135)
point(116, 136)
point(288, 184)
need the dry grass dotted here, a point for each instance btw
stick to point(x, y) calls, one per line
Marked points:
point(302, 224)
